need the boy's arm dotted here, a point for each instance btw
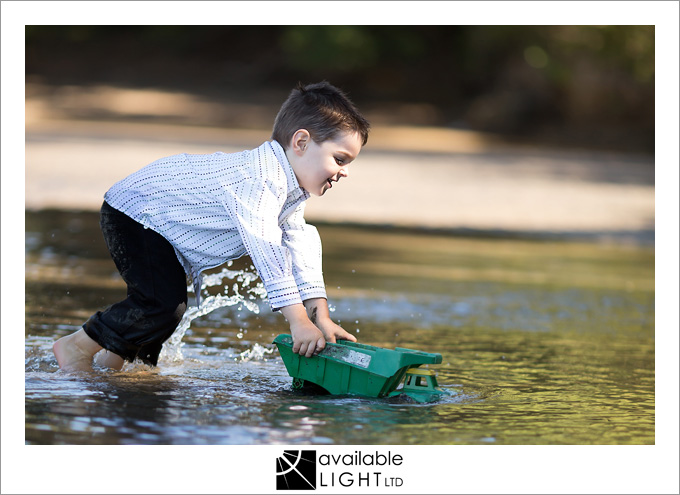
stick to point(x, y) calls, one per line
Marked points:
point(317, 310)
point(304, 244)
point(307, 338)
point(253, 206)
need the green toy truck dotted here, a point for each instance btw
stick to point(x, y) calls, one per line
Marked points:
point(352, 368)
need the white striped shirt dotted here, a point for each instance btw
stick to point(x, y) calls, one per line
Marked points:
point(217, 207)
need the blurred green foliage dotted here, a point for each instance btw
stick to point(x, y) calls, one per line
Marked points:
point(499, 78)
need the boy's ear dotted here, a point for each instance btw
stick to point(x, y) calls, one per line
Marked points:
point(300, 141)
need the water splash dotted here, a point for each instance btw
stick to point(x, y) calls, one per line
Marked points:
point(138, 367)
point(38, 354)
point(257, 353)
point(245, 293)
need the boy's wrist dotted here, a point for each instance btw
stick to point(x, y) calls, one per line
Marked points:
point(295, 313)
point(317, 309)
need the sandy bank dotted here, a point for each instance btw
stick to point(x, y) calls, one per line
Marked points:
point(414, 177)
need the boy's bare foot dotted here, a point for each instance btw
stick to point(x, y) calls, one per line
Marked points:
point(108, 359)
point(75, 352)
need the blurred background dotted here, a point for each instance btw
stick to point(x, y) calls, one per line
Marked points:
point(512, 129)
point(571, 85)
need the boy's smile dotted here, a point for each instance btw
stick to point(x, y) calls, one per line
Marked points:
point(318, 166)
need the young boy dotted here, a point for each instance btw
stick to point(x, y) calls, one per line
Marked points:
point(183, 214)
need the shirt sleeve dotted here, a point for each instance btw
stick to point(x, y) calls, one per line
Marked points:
point(255, 206)
point(304, 244)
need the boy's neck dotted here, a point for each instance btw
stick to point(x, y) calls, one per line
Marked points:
point(286, 154)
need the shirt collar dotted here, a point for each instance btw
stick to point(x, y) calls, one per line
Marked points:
point(294, 187)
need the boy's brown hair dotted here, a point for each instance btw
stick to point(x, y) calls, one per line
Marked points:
point(323, 110)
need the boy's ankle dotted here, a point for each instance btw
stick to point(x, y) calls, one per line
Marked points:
point(85, 344)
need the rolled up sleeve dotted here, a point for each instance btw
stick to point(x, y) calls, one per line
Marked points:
point(304, 244)
point(255, 206)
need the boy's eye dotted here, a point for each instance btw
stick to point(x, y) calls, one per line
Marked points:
point(339, 161)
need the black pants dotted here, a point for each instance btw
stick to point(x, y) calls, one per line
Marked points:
point(156, 291)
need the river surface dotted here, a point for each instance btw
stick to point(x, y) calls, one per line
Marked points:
point(543, 342)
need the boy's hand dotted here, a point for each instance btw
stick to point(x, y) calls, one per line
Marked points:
point(333, 331)
point(307, 338)
point(318, 313)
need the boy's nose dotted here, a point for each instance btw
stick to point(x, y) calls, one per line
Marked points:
point(343, 172)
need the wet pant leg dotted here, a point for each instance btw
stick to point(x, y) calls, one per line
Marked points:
point(156, 290)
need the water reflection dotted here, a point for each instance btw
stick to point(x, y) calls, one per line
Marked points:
point(542, 343)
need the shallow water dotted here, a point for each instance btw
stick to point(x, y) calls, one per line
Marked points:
point(542, 343)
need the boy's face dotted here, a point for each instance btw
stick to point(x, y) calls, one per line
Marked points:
point(319, 166)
